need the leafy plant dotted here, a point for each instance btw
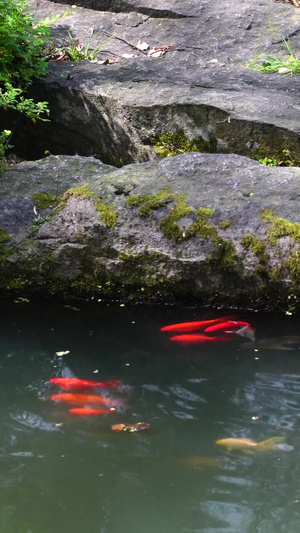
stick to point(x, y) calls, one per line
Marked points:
point(21, 41)
point(74, 51)
point(4, 140)
point(21, 60)
point(283, 158)
point(268, 63)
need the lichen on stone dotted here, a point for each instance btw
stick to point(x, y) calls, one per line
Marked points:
point(42, 200)
point(108, 214)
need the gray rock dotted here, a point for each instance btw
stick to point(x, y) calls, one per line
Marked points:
point(98, 242)
point(201, 86)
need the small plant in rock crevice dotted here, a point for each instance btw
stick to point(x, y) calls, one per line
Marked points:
point(269, 63)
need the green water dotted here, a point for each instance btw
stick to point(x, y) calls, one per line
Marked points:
point(62, 473)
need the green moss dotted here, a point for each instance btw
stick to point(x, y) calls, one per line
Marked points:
point(5, 252)
point(43, 200)
point(276, 273)
point(169, 224)
point(293, 265)
point(225, 256)
point(224, 224)
point(280, 227)
point(148, 202)
point(169, 144)
point(250, 242)
point(82, 193)
point(108, 214)
point(4, 235)
point(201, 226)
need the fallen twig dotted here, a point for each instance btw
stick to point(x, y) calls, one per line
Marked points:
point(126, 42)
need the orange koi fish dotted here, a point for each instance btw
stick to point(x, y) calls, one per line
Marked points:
point(231, 326)
point(84, 384)
point(84, 399)
point(130, 427)
point(88, 411)
point(198, 339)
point(194, 326)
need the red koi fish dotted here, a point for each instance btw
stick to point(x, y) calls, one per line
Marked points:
point(88, 411)
point(198, 339)
point(194, 326)
point(231, 326)
point(85, 385)
point(84, 399)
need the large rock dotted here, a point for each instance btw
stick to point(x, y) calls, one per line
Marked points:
point(217, 229)
point(201, 86)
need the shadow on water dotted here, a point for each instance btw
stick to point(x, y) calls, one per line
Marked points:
point(60, 470)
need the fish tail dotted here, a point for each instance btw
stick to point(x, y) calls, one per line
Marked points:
point(269, 444)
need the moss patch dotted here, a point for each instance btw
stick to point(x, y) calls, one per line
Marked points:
point(169, 144)
point(293, 265)
point(43, 200)
point(4, 235)
point(250, 242)
point(225, 224)
point(82, 193)
point(225, 256)
point(108, 214)
point(279, 227)
point(147, 202)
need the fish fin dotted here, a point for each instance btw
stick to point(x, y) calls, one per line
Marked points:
point(247, 332)
point(284, 348)
point(67, 373)
point(269, 444)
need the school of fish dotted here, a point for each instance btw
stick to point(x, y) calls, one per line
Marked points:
point(83, 394)
point(211, 331)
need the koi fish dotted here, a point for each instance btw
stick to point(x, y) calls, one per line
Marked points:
point(195, 338)
point(246, 445)
point(86, 411)
point(231, 326)
point(84, 384)
point(194, 326)
point(130, 427)
point(84, 399)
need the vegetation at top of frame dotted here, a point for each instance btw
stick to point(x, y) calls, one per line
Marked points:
point(268, 63)
point(21, 42)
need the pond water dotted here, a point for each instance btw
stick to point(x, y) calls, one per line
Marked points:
point(66, 473)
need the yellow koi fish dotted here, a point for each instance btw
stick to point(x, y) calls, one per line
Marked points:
point(247, 445)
